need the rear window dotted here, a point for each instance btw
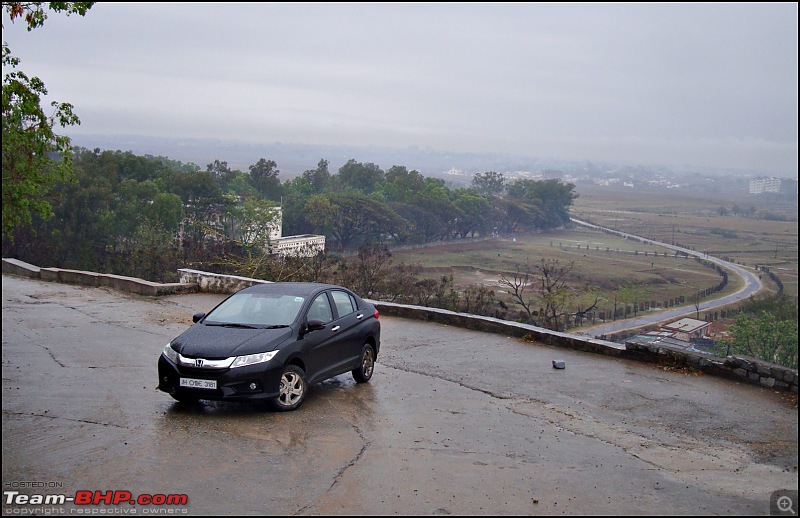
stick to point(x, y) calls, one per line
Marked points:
point(345, 304)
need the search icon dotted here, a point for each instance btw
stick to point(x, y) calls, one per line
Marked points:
point(783, 503)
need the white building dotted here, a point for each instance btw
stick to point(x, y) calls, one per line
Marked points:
point(303, 245)
point(762, 185)
point(687, 328)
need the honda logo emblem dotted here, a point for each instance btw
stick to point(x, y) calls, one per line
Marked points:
point(198, 362)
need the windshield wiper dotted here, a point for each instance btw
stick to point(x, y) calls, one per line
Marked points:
point(276, 326)
point(232, 324)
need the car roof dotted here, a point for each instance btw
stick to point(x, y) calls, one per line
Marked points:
point(292, 288)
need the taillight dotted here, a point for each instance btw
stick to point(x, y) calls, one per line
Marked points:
point(377, 314)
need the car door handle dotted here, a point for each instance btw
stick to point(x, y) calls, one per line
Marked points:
point(360, 316)
point(335, 328)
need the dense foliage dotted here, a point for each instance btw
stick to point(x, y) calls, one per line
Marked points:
point(34, 155)
point(766, 329)
point(146, 216)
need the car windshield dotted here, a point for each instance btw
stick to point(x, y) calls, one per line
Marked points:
point(257, 309)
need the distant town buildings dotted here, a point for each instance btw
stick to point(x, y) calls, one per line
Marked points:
point(761, 185)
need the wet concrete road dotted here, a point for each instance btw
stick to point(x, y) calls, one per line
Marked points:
point(453, 422)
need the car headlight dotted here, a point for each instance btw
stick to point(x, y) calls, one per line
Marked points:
point(170, 353)
point(252, 359)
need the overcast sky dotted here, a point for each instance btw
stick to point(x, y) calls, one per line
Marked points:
point(656, 84)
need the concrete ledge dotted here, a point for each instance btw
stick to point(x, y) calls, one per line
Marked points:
point(495, 325)
point(116, 282)
point(142, 287)
point(21, 268)
point(215, 282)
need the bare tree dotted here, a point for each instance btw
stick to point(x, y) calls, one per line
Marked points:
point(555, 291)
point(519, 284)
point(400, 282)
point(543, 283)
point(477, 299)
point(366, 273)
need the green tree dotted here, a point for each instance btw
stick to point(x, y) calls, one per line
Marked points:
point(552, 197)
point(420, 227)
point(475, 211)
point(198, 189)
point(264, 176)
point(364, 178)
point(351, 219)
point(255, 220)
point(629, 293)
point(489, 184)
point(317, 180)
point(218, 168)
point(511, 215)
point(763, 336)
point(401, 185)
point(29, 138)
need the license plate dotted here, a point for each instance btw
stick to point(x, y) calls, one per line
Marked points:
point(199, 384)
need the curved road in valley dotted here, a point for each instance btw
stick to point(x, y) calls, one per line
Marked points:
point(752, 284)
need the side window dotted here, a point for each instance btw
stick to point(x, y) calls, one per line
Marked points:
point(344, 303)
point(320, 309)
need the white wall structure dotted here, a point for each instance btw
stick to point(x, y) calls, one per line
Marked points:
point(304, 245)
point(761, 185)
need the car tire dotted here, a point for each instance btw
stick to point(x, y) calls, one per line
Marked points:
point(364, 371)
point(293, 389)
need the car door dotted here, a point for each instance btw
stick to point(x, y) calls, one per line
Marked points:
point(321, 345)
point(349, 319)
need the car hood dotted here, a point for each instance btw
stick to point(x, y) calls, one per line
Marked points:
point(202, 341)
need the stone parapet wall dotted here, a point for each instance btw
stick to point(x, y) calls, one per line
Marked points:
point(740, 368)
point(216, 283)
point(496, 325)
point(763, 373)
point(23, 269)
point(116, 282)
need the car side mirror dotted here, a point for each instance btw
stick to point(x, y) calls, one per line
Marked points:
point(197, 317)
point(314, 325)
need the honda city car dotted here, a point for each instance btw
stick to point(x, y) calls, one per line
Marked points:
point(270, 342)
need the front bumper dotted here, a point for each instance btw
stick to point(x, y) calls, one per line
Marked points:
point(253, 382)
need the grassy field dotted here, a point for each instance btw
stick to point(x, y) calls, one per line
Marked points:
point(694, 222)
point(621, 269)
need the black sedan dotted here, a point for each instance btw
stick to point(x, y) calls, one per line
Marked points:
point(269, 342)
